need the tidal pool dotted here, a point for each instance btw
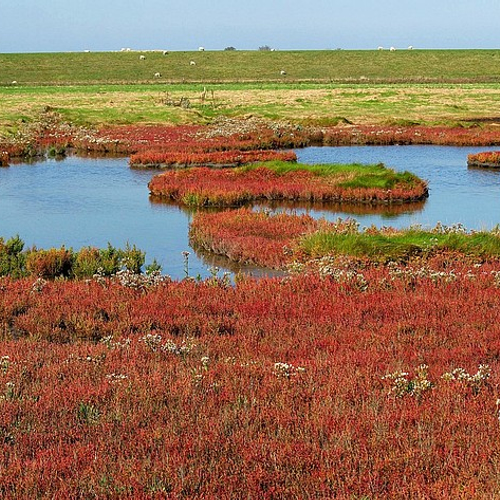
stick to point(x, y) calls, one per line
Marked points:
point(79, 202)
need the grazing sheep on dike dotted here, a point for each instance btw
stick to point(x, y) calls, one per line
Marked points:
point(142, 57)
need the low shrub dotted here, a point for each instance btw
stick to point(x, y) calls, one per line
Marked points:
point(317, 386)
point(67, 263)
point(50, 264)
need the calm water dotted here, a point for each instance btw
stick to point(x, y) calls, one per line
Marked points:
point(80, 202)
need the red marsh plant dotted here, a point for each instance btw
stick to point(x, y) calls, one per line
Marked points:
point(251, 237)
point(286, 181)
point(193, 138)
point(49, 132)
point(485, 159)
point(215, 158)
point(286, 239)
point(389, 135)
point(305, 387)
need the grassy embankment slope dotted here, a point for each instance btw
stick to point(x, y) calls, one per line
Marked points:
point(320, 87)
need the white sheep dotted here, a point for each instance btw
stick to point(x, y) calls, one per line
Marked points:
point(380, 48)
point(157, 75)
point(201, 49)
point(192, 63)
point(393, 49)
point(142, 57)
point(14, 82)
point(410, 47)
point(282, 72)
point(165, 52)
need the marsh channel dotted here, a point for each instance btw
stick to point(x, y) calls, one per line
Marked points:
point(78, 202)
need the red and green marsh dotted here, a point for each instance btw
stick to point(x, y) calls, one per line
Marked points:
point(278, 181)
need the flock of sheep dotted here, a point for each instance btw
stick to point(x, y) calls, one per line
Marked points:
point(142, 57)
point(393, 49)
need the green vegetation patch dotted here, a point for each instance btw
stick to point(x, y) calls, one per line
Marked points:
point(384, 246)
point(351, 175)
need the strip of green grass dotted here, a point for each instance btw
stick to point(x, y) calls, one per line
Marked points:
point(388, 247)
point(316, 103)
point(362, 176)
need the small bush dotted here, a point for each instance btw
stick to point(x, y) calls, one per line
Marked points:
point(87, 262)
point(12, 260)
point(132, 259)
point(50, 264)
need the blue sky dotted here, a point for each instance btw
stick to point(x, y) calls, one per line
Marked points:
point(69, 25)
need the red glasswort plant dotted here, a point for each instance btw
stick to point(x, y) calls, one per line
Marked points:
point(205, 187)
point(214, 158)
point(251, 237)
point(485, 159)
point(310, 386)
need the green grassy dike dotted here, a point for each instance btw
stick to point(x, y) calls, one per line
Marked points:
point(77, 68)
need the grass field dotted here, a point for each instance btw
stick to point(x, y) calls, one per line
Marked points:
point(320, 87)
point(251, 66)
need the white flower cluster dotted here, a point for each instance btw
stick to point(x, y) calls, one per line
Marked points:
point(119, 344)
point(476, 381)
point(129, 279)
point(116, 377)
point(330, 267)
point(185, 347)
point(154, 342)
point(440, 228)
point(136, 281)
point(38, 285)
point(410, 273)
point(404, 386)
point(151, 341)
point(87, 359)
point(287, 370)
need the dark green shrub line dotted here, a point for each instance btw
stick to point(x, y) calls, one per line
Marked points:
point(16, 261)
